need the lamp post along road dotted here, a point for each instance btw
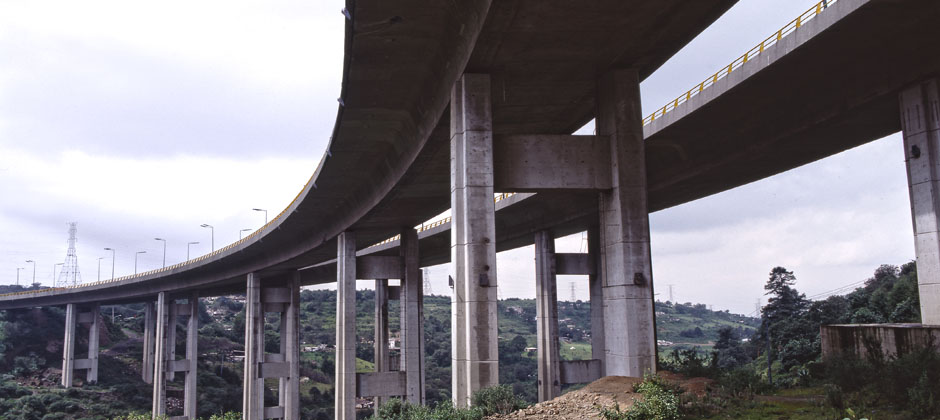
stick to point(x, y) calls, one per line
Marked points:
point(54, 266)
point(265, 214)
point(212, 230)
point(135, 259)
point(34, 273)
point(112, 261)
point(164, 249)
point(187, 248)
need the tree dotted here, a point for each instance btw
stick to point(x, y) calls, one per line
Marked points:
point(784, 318)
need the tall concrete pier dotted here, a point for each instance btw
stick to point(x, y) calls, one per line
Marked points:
point(475, 356)
point(920, 122)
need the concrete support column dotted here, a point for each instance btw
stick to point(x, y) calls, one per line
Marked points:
point(546, 309)
point(596, 287)
point(192, 354)
point(172, 321)
point(382, 362)
point(630, 331)
point(159, 365)
point(147, 367)
point(345, 389)
point(475, 356)
point(920, 123)
point(412, 318)
point(68, 345)
point(94, 326)
point(253, 387)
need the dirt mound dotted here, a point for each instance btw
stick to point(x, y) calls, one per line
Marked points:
point(584, 404)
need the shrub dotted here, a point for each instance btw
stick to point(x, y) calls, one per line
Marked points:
point(660, 402)
point(498, 399)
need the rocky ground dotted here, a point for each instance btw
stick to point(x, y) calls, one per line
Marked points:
point(585, 403)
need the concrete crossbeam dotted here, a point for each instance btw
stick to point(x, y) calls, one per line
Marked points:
point(475, 356)
point(630, 330)
point(378, 267)
point(412, 318)
point(574, 264)
point(920, 122)
point(345, 363)
point(551, 162)
point(546, 310)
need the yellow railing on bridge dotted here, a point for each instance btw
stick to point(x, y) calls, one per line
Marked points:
point(740, 61)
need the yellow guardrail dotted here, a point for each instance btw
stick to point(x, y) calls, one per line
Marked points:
point(740, 61)
point(423, 227)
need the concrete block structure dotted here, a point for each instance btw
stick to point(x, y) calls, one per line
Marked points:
point(920, 121)
point(866, 340)
point(73, 318)
point(165, 362)
point(281, 296)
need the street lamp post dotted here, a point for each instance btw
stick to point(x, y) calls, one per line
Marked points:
point(187, 248)
point(112, 261)
point(241, 232)
point(135, 260)
point(53, 272)
point(99, 267)
point(265, 214)
point(34, 272)
point(212, 229)
point(164, 249)
point(18, 275)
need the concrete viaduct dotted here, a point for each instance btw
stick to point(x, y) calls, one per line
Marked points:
point(445, 104)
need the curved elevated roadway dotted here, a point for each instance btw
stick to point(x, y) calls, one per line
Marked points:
point(387, 164)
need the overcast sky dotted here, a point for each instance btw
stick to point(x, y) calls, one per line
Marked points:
point(147, 119)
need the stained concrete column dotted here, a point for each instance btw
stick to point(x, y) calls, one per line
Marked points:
point(920, 123)
point(412, 318)
point(159, 365)
point(172, 321)
point(291, 388)
point(253, 384)
point(94, 326)
point(192, 354)
point(546, 309)
point(596, 287)
point(68, 345)
point(473, 247)
point(380, 347)
point(147, 366)
point(630, 329)
point(345, 389)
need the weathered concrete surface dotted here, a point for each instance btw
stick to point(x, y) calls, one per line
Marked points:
point(474, 332)
point(626, 267)
point(68, 345)
point(94, 331)
point(380, 343)
point(253, 384)
point(830, 86)
point(891, 340)
point(920, 119)
point(159, 364)
point(147, 365)
point(192, 355)
point(412, 318)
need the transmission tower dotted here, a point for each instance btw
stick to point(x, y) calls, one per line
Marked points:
point(573, 296)
point(427, 281)
point(70, 276)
